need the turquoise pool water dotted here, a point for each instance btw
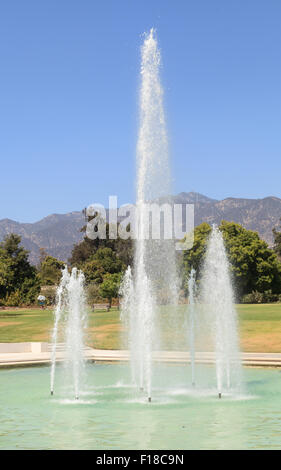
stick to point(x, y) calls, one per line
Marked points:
point(110, 415)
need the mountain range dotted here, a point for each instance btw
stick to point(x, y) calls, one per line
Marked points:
point(57, 233)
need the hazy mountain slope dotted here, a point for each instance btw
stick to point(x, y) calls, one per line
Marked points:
point(58, 233)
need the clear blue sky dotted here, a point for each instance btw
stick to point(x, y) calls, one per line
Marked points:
point(68, 93)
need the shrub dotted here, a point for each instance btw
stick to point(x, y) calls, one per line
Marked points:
point(14, 299)
point(254, 297)
point(269, 297)
point(261, 297)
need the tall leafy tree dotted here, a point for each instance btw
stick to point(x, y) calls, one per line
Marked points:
point(104, 261)
point(254, 265)
point(17, 277)
point(50, 271)
point(84, 250)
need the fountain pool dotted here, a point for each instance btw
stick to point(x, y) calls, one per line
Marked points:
point(111, 415)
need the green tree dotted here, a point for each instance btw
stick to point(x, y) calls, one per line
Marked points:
point(50, 271)
point(277, 240)
point(18, 279)
point(110, 287)
point(84, 250)
point(104, 261)
point(254, 265)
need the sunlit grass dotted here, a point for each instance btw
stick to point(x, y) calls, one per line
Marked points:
point(259, 325)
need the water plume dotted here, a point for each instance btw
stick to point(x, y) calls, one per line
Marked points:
point(191, 311)
point(218, 301)
point(70, 320)
point(154, 269)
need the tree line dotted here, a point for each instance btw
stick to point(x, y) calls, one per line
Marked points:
point(255, 267)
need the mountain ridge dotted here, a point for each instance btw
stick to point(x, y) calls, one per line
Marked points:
point(57, 233)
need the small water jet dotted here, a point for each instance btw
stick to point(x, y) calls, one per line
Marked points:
point(60, 305)
point(71, 319)
point(218, 300)
point(127, 315)
point(191, 310)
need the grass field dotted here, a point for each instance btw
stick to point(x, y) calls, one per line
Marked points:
point(260, 327)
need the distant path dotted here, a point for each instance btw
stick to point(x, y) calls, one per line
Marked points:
point(41, 355)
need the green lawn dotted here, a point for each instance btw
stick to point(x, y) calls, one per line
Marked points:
point(260, 327)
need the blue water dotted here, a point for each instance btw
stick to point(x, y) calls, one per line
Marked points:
point(112, 415)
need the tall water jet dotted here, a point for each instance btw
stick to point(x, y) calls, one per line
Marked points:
point(191, 310)
point(218, 299)
point(70, 320)
point(154, 260)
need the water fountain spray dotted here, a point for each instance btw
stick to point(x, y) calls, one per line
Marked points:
point(128, 316)
point(154, 260)
point(71, 318)
point(218, 300)
point(60, 305)
point(191, 310)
